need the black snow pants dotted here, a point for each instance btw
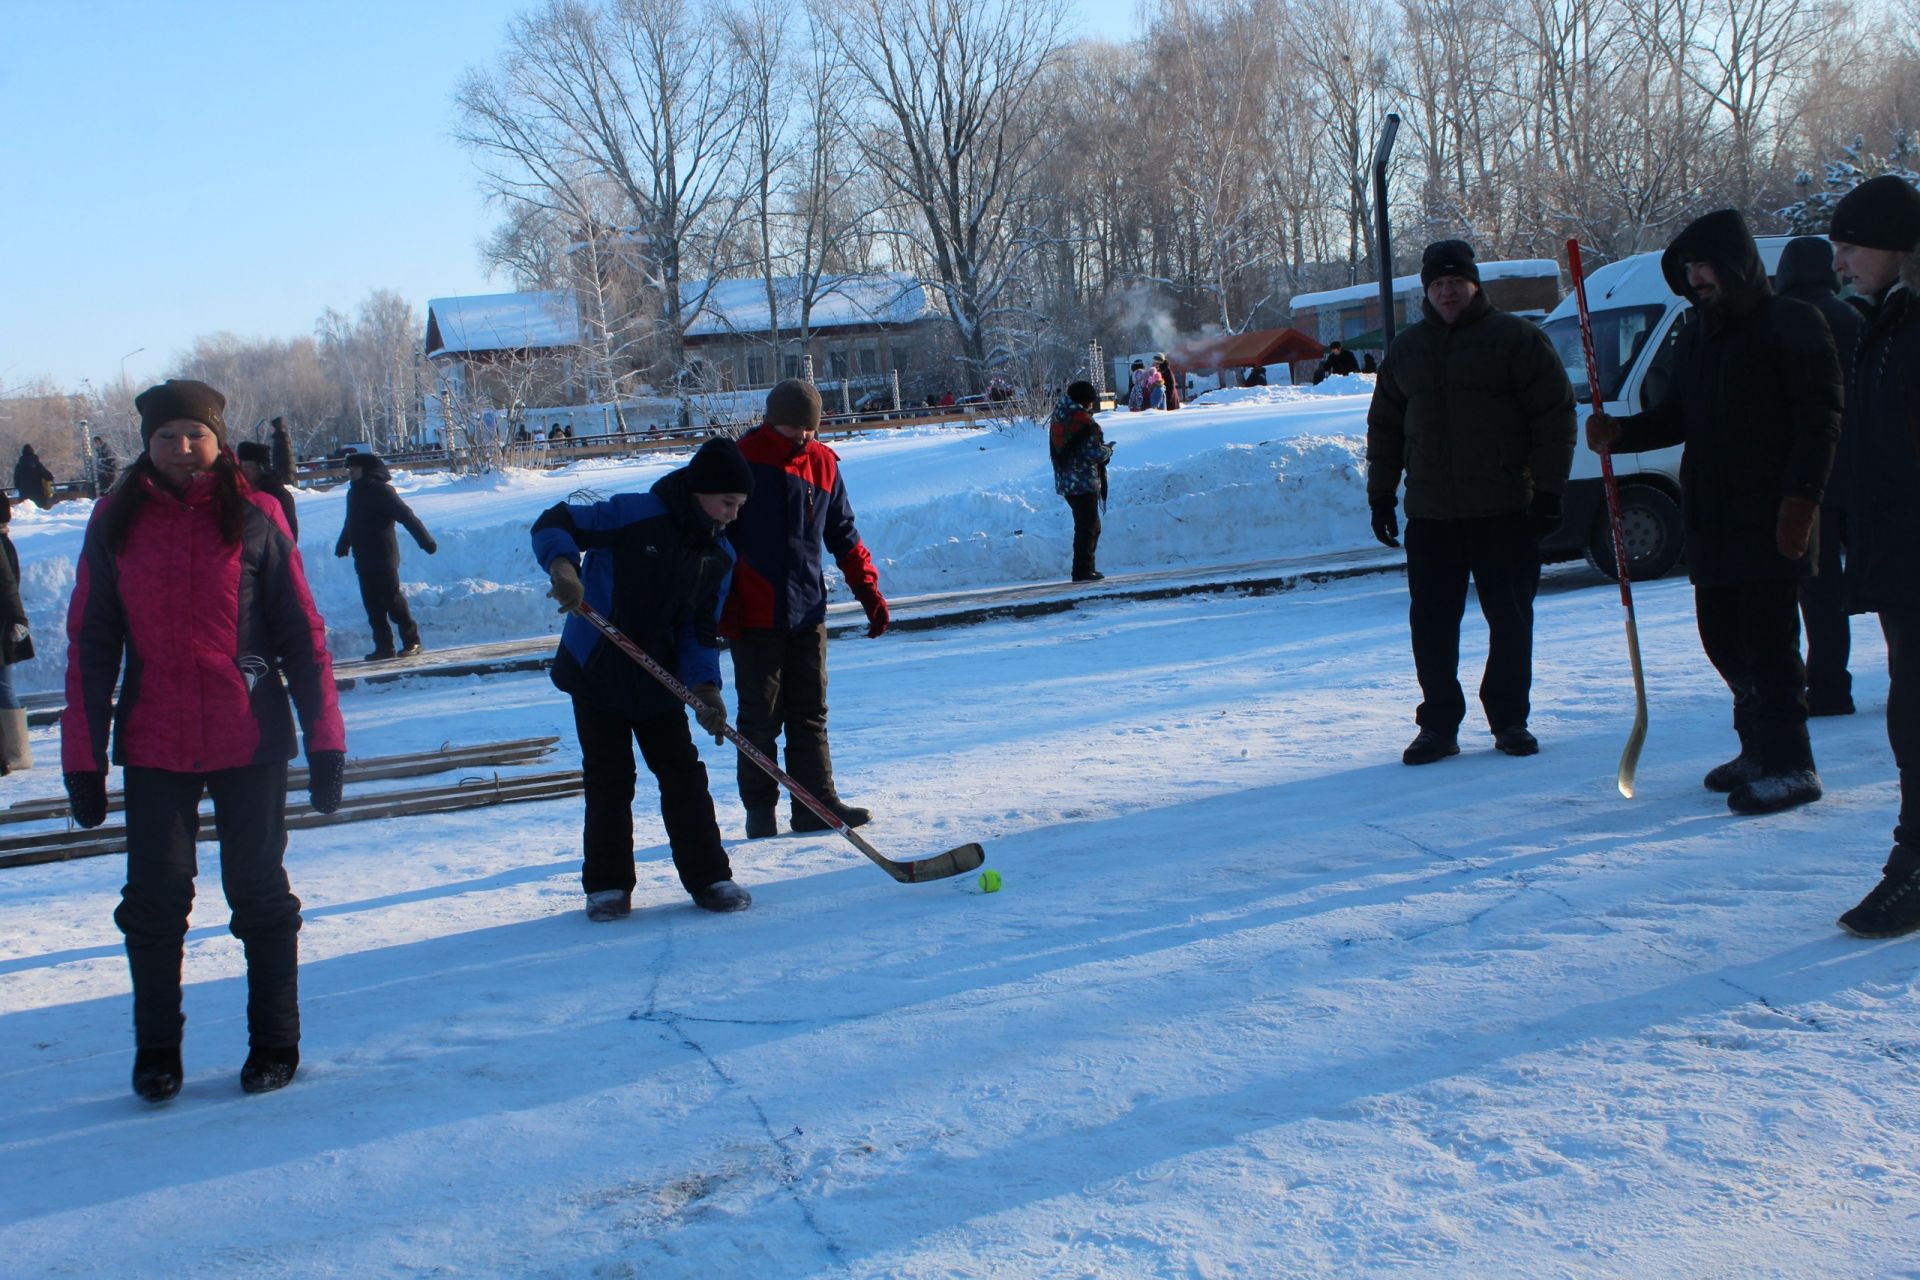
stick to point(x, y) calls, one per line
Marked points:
point(686, 805)
point(1751, 633)
point(1502, 558)
point(1086, 531)
point(1902, 630)
point(780, 679)
point(163, 819)
point(381, 594)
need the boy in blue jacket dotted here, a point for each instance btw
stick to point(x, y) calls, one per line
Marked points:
point(657, 565)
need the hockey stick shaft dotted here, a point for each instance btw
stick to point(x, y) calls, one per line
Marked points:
point(952, 862)
point(1630, 757)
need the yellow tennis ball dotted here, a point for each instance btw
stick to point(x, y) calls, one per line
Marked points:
point(990, 881)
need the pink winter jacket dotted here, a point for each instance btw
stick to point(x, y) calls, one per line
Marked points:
point(201, 624)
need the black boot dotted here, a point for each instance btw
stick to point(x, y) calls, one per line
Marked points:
point(157, 1074)
point(1430, 745)
point(805, 819)
point(269, 1069)
point(763, 822)
point(722, 895)
point(1893, 907)
point(1516, 741)
point(1734, 774)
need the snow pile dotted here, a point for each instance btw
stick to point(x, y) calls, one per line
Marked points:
point(1247, 473)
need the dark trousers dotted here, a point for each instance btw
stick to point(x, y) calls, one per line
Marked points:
point(780, 679)
point(163, 820)
point(1086, 530)
point(1502, 558)
point(686, 806)
point(380, 593)
point(1823, 608)
point(1902, 630)
point(1751, 632)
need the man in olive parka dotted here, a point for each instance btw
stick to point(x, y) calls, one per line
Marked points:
point(1474, 407)
point(1755, 399)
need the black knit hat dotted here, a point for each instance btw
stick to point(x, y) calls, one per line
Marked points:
point(793, 403)
point(1081, 392)
point(181, 398)
point(719, 467)
point(254, 452)
point(1448, 258)
point(1881, 213)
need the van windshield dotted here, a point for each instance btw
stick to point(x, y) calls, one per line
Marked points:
point(1619, 334)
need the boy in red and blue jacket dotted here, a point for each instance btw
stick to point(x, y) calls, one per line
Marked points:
point(776, 612)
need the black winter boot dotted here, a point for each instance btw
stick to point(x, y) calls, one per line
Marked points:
point(722, 895)
point(1516, 741)
point(269, 1069)
point(762, 823)
point(157, 1074)
point(1776, 791)
point(1893, 907)
point(1430, 745)
point(805, 819)
point(1734, 774)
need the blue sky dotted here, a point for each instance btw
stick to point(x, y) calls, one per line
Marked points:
point(179, 167)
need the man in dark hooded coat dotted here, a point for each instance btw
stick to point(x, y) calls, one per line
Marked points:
point(1806, 273)
point(1755, 399)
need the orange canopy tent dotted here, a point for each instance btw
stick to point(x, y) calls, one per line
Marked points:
point(1241, 350)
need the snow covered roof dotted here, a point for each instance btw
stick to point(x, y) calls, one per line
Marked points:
point(1518, 268)
point(502, 322)
point(740, 306)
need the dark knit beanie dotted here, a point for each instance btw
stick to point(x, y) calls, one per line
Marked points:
point(793, 403)
point(719, 467)
point(1448, 258)
point(254, 452)
point(1081, 392)
point(1882, 213)
point(181, 398)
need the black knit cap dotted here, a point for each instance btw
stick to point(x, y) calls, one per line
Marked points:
point(1081, 392)
point(253, 451)
point(1881, 213)
point(1448, 258)
point(793, 403)
point(181, 398)
point(719, 467)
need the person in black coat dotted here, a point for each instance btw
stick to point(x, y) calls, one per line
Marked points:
point(256, 464)
point(1255, 376)
point(106, 466)
point(1756, 400)
point(1339, 361)
point(32, 479)
point(372, 510)
point(1806, 273)
point(1876, 242)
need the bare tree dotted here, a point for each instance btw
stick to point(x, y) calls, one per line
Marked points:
point(958, 138)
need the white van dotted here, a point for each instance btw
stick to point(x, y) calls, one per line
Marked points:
point(1636, 325)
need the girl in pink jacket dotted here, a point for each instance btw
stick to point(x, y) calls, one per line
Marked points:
point(190, 582)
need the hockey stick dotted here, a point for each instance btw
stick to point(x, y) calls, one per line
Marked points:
point(1629, 758)
point(954, 862)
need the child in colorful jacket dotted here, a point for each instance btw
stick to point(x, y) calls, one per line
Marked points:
point(1080, 454)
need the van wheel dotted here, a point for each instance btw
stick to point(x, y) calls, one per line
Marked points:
point(1650, 525)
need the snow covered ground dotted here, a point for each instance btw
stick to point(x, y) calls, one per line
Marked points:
point(1257, 1000)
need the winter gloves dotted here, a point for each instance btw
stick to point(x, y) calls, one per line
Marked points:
point(566, 584)
point(1794, 530)
point(1386, 518)
point(1602, 431)
point(712, 716)
point(1543, 513)
point(326, 772)
point(87, 798)
point(878, 616)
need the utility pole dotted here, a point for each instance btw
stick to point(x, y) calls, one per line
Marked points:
point(1382, 242)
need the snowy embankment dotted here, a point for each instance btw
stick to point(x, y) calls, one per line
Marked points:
point(1244, 474)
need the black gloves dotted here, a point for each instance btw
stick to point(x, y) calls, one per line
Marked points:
point(87, 798)
point(326, 772)
point(1543, 513)
point(713, 714)
point(1386, 518)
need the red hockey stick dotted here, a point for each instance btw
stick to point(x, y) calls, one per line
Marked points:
point(1629, 758)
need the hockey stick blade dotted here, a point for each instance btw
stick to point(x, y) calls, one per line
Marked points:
point(1637, 738)
point(956, 861)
